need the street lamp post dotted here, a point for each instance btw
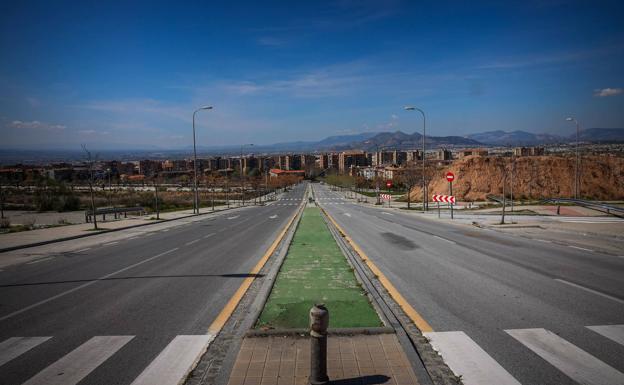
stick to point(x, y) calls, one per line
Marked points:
point(424, 184)
point(576, 168)
point(241, 172)
point(196, 197)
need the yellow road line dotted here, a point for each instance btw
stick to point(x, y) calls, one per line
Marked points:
point(227, 311)
point(418, 320)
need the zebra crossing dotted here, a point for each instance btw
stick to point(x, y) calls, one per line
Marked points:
point(170, 367)
point(475, 366)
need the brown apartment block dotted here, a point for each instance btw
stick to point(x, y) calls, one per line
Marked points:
point(346, 159)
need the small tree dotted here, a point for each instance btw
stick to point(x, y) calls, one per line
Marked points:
point(410, 177)
point(90, 180)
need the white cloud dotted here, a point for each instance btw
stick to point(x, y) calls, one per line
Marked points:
point(92, 132)
point(607, 92)
point(37, 125)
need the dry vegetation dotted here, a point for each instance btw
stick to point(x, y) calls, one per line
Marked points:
point(602, 178)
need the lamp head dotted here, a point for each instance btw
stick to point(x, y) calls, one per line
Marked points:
point(409, 108)
point(206, 108)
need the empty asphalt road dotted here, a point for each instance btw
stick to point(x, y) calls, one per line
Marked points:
point(503, 309)
point(136, 310)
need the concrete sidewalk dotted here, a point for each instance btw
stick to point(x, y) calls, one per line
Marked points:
point(351, 360)
point(52, 234)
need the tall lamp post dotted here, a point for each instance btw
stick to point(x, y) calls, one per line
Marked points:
point(196, 196)
point(576, 168)
point(241, 172)
point(424, 184)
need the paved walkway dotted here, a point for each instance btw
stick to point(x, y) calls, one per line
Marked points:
point(353, 360)
point(24, 238)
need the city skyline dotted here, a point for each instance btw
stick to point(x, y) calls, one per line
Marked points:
point(114, 76)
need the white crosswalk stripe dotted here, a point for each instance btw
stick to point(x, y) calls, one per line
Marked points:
point(77, 364)
point(175, 362)
point(612, 332)
point(16, 346)
point(468, 360)
point(569, 359)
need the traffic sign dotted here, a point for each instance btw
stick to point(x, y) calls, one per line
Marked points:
point(443, 198)
point(386, 197)
point(450, 176)
point(389, 184)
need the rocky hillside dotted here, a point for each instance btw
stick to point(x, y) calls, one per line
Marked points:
point(602, 177)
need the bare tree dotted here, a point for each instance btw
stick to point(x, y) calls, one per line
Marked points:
point(90, 162)
point(410, 177)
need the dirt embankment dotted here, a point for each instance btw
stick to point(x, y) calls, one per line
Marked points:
point(602, 178)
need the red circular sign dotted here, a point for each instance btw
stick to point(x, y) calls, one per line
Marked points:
point(450, 176)
point(389, 184)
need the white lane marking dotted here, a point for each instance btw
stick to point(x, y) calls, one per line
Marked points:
point(191, 242)
point(542, 240)
point(110, 243)
point(131, 238)
point(612, 332)
point(234, 217)
point(273, 216)
point(82, 250)
point(574, 362)
point(590, 290)
point(78, 363)
point(347, 214)
point(209, 235)
point(39, 260)
point(383, 212)
point(34, 305)
point(580, 248)
point(16, 346)
point(468, 360)
point(445, 240)
point(164, 230)
point(175, 362)
point(148, 234)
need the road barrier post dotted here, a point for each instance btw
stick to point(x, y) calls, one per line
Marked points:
point(319, 321)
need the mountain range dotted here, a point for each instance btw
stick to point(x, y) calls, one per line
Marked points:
point(371, 141)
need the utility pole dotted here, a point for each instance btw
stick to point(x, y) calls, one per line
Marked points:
point(156, 196)
point(242, 173)
point(90, 163)
point(504, 199)
point(577, 181)
point(424, 184)
point(196, 196)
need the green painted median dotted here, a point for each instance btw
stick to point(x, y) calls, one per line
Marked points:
point(316, 271)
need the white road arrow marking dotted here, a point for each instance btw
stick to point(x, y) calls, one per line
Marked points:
point(234, 217)
point(273, 216)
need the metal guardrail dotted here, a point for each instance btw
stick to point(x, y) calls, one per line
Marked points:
point(594, 205)
point(113, 210)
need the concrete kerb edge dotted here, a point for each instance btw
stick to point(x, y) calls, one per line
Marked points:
point(42, 243)
point(405, 337)
point(304, 333)
point(255, 307)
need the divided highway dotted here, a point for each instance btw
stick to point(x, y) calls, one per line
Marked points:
point(501, 309)
point(132, 311)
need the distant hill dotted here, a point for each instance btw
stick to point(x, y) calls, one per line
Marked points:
point(523, 138)
point(515, 138)
point(600, 135)
point(401, 140)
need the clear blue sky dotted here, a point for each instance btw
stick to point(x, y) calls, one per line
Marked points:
point(129, 74)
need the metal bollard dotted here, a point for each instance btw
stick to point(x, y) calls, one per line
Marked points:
point(319, 321)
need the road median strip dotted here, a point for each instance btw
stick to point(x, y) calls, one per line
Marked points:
point(418, 320)
point(316, 271)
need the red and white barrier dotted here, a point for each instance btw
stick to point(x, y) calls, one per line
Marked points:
point(443, 198)
point(386, 197)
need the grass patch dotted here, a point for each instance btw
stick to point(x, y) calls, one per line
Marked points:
point(316, 271)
